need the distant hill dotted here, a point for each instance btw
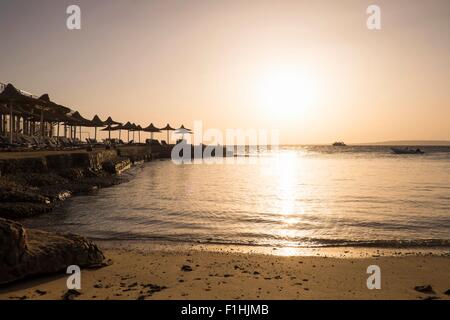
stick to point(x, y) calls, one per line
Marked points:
point(411, 143)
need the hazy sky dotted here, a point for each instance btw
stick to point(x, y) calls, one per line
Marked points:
point(309, 68)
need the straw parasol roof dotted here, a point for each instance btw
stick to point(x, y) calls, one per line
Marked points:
point(10, 95)
point(96, 123)
point(128, 126)
point(182, 128)
point(168, 128)
point(110, 122)
point(152, 129)
point(80, 120)
point(54, 107)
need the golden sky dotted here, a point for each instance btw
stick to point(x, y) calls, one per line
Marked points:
point(309, 68)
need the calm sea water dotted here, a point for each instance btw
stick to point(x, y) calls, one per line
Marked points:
point(295, 196)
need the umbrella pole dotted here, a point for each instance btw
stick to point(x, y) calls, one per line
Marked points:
point(128, 140)
point(120, 134)
point(139, 135)
point(109, 133)
point(95, 137)
point(168, 137)
point(42, 123)
point(10, 123)
point(57, 129)
point(80, 133)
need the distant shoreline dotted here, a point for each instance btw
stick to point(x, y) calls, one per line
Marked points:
point(393, 143)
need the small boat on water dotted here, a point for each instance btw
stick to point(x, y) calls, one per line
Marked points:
point(407, 151)
point(339, 144)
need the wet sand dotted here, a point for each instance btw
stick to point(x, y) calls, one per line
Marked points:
point(150, 271)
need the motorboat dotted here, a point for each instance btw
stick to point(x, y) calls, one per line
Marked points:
point(407, 151)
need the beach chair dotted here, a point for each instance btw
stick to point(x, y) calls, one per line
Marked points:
point(39, 143)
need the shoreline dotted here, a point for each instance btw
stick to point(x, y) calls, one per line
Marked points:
point(165, 271)
point(328, 251)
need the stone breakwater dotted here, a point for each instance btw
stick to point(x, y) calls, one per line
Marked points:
point(35, 182)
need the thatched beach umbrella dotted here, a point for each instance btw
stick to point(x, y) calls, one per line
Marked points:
point(109, 123)
point(133, 129)
point(128, 126)
point(139, 129)
point(57, 112)
point(80, 120)
point(97, 123)
point(11, 96)
point(182, 130)
point(168, 128)
point(152, 129)
point(118, 128)
point(108, 128)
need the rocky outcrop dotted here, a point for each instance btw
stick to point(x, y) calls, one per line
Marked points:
point(117, 166)
point(28, 252)
point(39, 162)
point(28, 194)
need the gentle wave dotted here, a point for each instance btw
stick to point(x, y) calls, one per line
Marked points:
point(303, 243)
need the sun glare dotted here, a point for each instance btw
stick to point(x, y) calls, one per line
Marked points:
point(286, 92)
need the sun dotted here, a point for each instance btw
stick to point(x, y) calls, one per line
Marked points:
point(286, 91)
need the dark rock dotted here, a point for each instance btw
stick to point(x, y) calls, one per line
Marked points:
point(116, 166)
point(41, 292)
point(447, 292)
point(186, 268)
point(32, 252)
point(425, 289)
point(71, 294)
point(20, 210)
point(153, 288)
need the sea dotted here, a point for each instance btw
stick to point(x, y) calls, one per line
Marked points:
point(290, 196)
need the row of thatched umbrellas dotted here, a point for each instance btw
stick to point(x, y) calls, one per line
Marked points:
point(17, 104)
point(132, 127)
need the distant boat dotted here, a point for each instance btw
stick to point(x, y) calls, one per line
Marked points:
point(407, 151)
point(339, 144)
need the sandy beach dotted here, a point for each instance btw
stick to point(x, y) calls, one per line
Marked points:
point(174, 272)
